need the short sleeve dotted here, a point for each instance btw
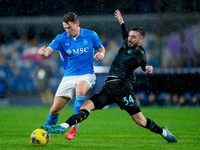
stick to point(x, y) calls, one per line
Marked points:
point(96, 41)
point(55, 44)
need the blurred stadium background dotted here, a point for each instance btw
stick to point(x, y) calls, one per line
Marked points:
point(171, 42)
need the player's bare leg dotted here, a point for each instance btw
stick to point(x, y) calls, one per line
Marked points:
point(59, 104)
point(56, 108)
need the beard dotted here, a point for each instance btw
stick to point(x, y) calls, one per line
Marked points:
point(131, 44)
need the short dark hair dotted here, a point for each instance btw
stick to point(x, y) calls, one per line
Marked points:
point(70, 17)
point(140, 30)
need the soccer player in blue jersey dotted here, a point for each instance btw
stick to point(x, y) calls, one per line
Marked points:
point(76, 51)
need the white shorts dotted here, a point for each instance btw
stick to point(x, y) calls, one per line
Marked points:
point(67, 87)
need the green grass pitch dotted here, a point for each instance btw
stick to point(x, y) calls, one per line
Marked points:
point(107, 129)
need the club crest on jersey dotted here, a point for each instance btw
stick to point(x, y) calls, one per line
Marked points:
point(129, 51)
point(85, 42)
point(69, 51)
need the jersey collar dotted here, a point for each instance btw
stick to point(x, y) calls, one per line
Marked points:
point(81, 32)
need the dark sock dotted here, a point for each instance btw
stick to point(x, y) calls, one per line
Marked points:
point(79, 117)
point(152, 126)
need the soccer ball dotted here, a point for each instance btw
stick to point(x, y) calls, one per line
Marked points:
point(39, 137)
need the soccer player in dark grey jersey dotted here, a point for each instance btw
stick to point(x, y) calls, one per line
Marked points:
point(119, 85)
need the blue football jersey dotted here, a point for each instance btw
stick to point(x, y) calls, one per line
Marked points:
point(77, 53)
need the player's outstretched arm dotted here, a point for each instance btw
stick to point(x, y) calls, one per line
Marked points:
point(119, 16)
point(121, 22)
point(45, 52)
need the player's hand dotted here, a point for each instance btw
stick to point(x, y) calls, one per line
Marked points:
point(149, 69)
point(42, 51)
point(99, 56)
point(119, 16)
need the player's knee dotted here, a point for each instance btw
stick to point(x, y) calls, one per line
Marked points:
point(54, 111)
point(80, 92)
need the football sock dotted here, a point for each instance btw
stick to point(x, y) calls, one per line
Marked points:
point(78, 103)
point(76, 126)
point(152, 126)
point(52, 119)
point(164, 134)
point(79, 117)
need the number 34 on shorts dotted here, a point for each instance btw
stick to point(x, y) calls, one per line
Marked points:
point(128, 100)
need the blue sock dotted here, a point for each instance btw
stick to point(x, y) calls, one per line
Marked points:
point(51, 119)
point(78, 103)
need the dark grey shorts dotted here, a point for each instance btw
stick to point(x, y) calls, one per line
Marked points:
point(119, 92)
